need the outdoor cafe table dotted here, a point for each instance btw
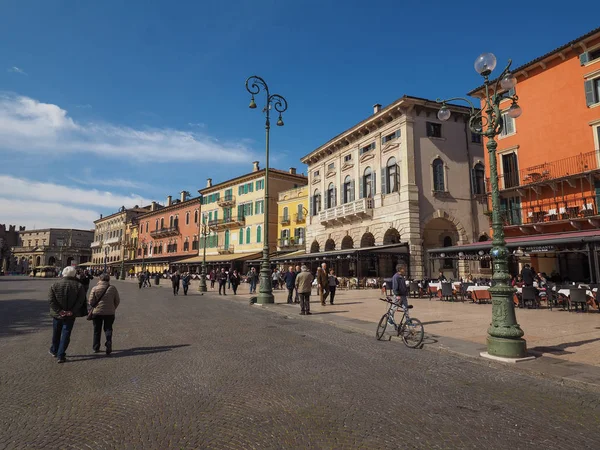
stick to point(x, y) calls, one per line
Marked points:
point(477, 288)
point(455, 285)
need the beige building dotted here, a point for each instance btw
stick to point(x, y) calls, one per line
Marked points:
point(394, 185)
point(58, 247)
point(109, 235)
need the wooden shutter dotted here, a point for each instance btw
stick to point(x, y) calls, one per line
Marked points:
point(473, 182)
point(374, 182)
point(397, 177)
point(334, 201)
point(241, 240)
point(584, 58)
point(588, 86)
point(384, 181)
point(351, 199)
point(361, 191)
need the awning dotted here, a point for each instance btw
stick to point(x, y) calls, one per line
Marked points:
point(299, 254)
point(218, 258)
point(334, 254)
point(540, 240)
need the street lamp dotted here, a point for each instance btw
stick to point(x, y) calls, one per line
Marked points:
point(143, 245)
point(201, 226)
point(254, 85)
point(504, 334)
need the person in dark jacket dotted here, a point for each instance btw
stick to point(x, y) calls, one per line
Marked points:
point(175, 279)
point(528, 275)
point(84, 278)
point(222, 278)
point(104, 301)
point(235, 281)
point(185, 282)
point(296, 296)
point(290, 282)
point(67, 299)
point(333, 282)
point(399, 289)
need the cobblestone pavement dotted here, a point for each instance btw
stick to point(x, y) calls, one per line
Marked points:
point(206, 372)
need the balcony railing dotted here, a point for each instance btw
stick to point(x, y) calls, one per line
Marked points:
point(548, 171)
point(228, 200)
point(113, 240)
point(549, 211)
point(300, 218)
point(291, 242)
point(284, 220)
point(165, 232)
point(347, 212)
point(227, 222)
point(96, 244)
point(225, 249)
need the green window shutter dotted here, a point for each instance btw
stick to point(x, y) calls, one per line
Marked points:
point(584, 58)
point(258, 234)
point(590, 97)
point(397, 134)
point(241, 236)
point(239, 213)
point(210, 216)
point(383, 181)
point(216, 215)
point(251, 186)
point(256, 207)
point(248, 235)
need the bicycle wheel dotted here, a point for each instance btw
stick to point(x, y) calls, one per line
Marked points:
point(412, 333)
point(381, 327)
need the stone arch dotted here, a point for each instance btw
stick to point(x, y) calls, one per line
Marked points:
point(367, 240)
point(442, 230)
point(439, 214)
point(347, 243)
point(69, 260)
point(329, 245)
point(483, 237)
point(52, 261)
point(391, 236)
point(315, 247)
point(38, 261)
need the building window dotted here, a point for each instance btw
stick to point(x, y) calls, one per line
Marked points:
point(367, 148)
point(156, 227)
point(241, 239)
point(331, 196)
point(508, 127)
point(475, 138)
point(438, 175)
point(259, 207)
point(196, 216)
point(592, 91)
point(368, 183)
point(195, 243)
point(186, 245)
point(260, 185)
point(478, 179)
point(390, 177)
point(162, 223)
point(286, 213)
point(316, 173)
point(348, 190)
point(316, 203)
point(390, 137)
point(348, 158)
point(510, 170)
point(434, 129)
point(147, 226)
point(187, 218)
point(248, 231)
point(258, 234)
point(589, 56)
point(331, 166)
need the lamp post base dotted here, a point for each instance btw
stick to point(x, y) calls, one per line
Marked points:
point(265, 298)
point(506, 360)
point(202, 285)
point(506, 348)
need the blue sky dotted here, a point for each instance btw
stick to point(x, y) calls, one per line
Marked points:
point(110, 103)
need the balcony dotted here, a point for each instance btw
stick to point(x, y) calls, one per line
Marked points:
point(347, 212)
point(113, 241)
point(96, 244)
point(165, 232)
point(562, 169)
point(300, 218)
point(291, 243)
point(227, 222)
point(284, 220)
point(225, 249)
point(228, 200)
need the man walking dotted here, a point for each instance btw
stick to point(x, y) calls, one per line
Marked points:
point(222, 278)
point(332, 285)
point(399, 289)
point(175, 279)
point(290, 283)
point(323, 283)
point(296, 297)
point(304, 286)
point(185, 282)
point(66, 298)
point(252, 277)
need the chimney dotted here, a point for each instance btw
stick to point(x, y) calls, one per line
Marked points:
point(255, 167)
point(293, 170)
point(183, 196)
point(101, 216)
point(169, 200)
point(209, 182)
point(153, 207)
point(376, 108)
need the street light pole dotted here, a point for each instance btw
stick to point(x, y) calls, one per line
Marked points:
point(143, 245)
point(504, 334)
point(202, 285)
point(254, 85)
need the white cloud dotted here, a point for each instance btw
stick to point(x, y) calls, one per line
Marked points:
point(28, 125)
point(15, 69)
point(34, 214)
point(86, 106)
point(111, 182)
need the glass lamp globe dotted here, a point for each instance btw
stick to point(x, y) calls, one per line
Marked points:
point(443, 114)
point(514, 111)
point(485, 63)
point(508, 82)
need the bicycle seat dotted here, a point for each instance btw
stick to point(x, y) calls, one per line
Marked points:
point(410, 306)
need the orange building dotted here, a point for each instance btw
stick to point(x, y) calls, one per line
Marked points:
point(548, 161)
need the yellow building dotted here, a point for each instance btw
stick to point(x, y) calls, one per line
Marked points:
point(234, 214)
point(292, 211)
point(131, 241)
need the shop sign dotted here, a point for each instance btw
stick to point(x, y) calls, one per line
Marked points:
point(540, 249)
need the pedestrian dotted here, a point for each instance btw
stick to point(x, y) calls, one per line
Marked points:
point(528, 275)
point(275, 278)
point(290, 282)
point(147, 282)
point(175, 279)
point(141, 279)
point(222, 278)
point(252, 278)
point(296, 297)
point(185, 282)
point(212, 277)
point(323, 283)
point(67, 299)
point(235, 281)
point(303, 284)
point(104, 301)
point(84, 278)
point(332, 285)
point(442, 277)
point(400, 290)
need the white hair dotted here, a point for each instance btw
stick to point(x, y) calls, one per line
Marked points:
point(69, 272)
point(304, 268)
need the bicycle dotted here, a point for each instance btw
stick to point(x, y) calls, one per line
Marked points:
point(409, 329)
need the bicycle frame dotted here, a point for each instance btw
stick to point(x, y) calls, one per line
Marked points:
point(391, 313)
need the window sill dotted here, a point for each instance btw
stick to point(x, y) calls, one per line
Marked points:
point(440, 193)
point(592, 62)
point(506, 135)
point(436, 138)
point(595, 105)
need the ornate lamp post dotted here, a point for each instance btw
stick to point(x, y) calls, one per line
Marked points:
point(254, 85)
point(201, 230)
point(504, 334)
point(143, 245)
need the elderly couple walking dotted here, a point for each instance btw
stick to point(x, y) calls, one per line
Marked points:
point(67, 298)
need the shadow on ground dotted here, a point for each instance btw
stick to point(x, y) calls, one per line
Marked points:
point(136, 351)
point(433, 322)
point(561, 349)
point(23, 316)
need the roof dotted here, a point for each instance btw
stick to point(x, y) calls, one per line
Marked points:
point(566, 46)
point(382, 112)
point(55, 229)
point(222, 184)
point(165, 209)
point(124, 211)
point(527, 241)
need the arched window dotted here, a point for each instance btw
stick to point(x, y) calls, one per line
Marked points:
point(478, 179)
point(258, 234)
point(147, 226)
point(367, 188)
point(439, 184)
point(156, 228)
point(171, 221)
point(316, 203)
point(241, 240)
point(187, 218)
point(390, 177)
point(248, 235)
point(331, 196)
point(348, 190)
point(300, 213)
point(286, 214)
point(196, 216)
point(162, 223)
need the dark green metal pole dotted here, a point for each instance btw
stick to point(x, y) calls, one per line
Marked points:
point(201, 227)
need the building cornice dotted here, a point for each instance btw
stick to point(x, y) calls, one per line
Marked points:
point(273, 173)
point(167, 209)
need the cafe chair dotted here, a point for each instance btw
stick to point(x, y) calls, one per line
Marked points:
point(447, 291)
point(529, 294)
point(414, 289)
point(578, 297)
point(463, 290)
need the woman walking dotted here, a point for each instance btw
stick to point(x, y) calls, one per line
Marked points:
point(235, 281)
point(104, 299)
point(185, 282)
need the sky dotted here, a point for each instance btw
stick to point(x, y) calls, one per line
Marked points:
point(106, 104)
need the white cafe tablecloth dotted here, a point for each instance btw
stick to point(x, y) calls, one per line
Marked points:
point(567, 292)
point(477, 288)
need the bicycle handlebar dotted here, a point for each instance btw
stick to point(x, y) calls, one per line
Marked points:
point(387, 300)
